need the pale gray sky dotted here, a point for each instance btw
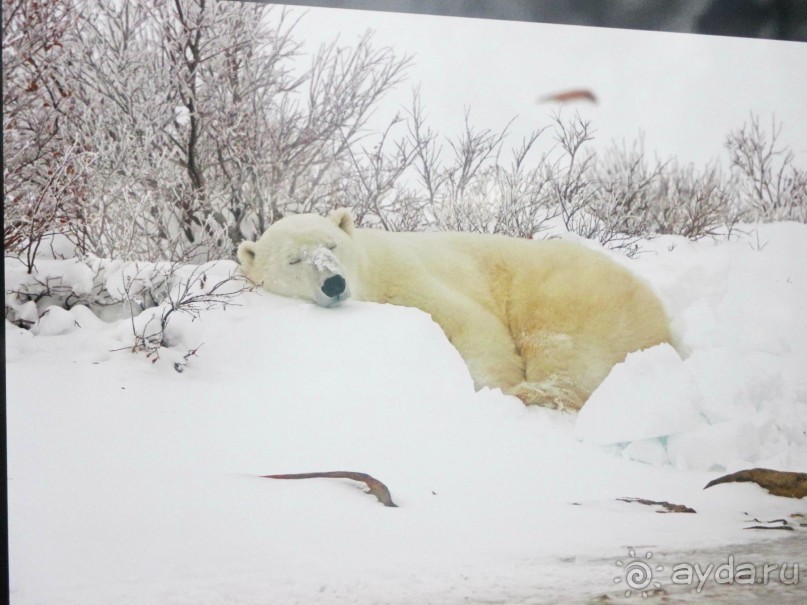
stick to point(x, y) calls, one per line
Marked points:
point(684, 91)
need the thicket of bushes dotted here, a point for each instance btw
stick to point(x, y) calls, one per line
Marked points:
point(169, 131)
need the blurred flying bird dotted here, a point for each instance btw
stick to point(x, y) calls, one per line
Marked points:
point(568, 96)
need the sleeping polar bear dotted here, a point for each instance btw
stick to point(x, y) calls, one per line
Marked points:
point(542, 320)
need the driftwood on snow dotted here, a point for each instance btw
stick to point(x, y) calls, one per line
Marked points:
point(667, 506)
point(778, 483)
point(376, 487)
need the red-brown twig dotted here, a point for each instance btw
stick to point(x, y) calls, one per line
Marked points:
point(376, 487)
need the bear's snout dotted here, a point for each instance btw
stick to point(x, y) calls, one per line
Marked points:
point(333, 286)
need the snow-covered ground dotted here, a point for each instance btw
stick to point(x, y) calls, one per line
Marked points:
point(130, 482)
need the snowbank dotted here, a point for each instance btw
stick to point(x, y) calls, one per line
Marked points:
point(736, 397)
point(131, 482)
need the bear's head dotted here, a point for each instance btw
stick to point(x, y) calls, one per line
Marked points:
point(304, 256)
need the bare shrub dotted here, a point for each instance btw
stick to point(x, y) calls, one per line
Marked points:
point(473, 191)
point(44, 169)
point(640, 198)
point(616, 197)
point(627, 187)
point(691, 203)
point(147, 130)
point(371, 187)
point(169, 92)
point(62, 283)
point(149, 294)
point(310, 156)
point(525, 193)
point(476, 192)
point(199, 128)
point(191, 291)
point(769, 186)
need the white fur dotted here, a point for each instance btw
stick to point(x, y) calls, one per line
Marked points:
point(543, 320)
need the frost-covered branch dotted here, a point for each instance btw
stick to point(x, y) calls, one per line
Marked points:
point(171, 130)
point(769, 184)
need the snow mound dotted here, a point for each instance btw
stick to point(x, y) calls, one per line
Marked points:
point(54, 321)
point(650, 395)
point(117, 458)
point(737, 397)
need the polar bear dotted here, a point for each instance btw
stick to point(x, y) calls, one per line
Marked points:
point(542, 320)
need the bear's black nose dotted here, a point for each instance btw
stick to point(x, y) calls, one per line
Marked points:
point(333, 286)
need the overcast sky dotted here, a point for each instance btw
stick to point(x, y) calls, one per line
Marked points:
point(684, 91)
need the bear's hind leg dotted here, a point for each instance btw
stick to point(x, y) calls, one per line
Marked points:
point(485, 344)
point(494, 362)
point(557, 392)
point(562, 370)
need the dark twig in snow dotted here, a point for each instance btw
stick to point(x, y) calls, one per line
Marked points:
point(376, 487)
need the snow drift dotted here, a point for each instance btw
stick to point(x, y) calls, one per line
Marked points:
point(132, 482)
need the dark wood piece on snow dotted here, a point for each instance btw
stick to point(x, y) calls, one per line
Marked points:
point(778, 483)
point(378, 489)
point(670, 508)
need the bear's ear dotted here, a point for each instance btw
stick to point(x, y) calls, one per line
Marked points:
point(343, 219)
point(246, 255)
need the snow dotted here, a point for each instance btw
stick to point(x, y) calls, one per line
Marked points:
point(54, 321)
point(736, 399)
point(323, 260)
point(130, 482)
point(620, 410)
